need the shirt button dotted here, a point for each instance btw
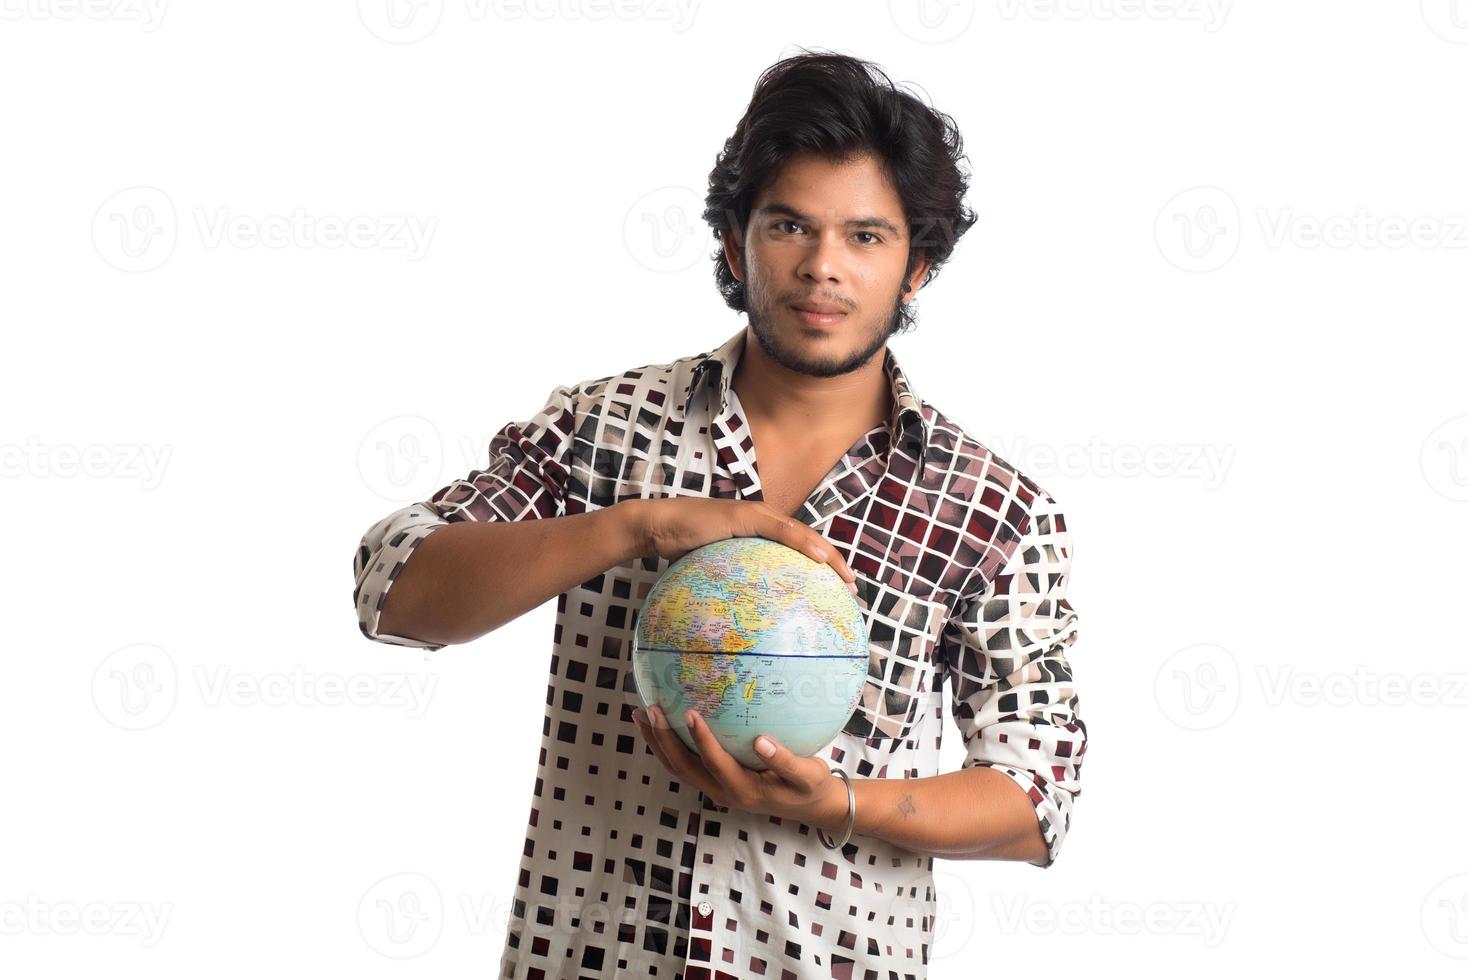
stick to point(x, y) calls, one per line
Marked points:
point(705, 908)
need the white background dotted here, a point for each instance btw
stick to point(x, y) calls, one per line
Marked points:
point(1213, 303)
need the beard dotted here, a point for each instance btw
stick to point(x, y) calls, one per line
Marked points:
point(789, 352)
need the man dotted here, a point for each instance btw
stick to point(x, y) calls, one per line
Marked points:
point(836, 199)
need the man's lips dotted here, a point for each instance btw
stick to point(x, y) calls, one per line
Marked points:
point(822, 315)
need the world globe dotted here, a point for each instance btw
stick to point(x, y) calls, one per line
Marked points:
point(756, 637)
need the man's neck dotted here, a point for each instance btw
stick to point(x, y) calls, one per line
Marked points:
point(808, 409)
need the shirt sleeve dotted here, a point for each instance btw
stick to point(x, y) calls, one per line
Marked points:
point(1011, 690)
point(524, 478)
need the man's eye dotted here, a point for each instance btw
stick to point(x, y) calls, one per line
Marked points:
point(875, 238)
point(781, 225)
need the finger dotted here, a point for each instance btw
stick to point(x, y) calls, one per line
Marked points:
point(654, 738)
point(649, 736)
point(843, 569)
point(812, 544)
point(794, 780)
point(675, 770)
point(784, 766)
point(778, 757)
point(837, 560)
point(802, 772)
point(729, 774)
point(827, 552)
point(675, 754)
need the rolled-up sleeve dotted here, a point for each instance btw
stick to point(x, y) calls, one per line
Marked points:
point(1010, 685)
point(525, 478)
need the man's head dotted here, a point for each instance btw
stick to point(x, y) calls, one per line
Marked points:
point(836, 192)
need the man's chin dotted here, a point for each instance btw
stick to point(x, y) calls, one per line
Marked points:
point(819, 353)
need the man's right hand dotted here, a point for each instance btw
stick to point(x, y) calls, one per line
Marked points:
point(673, 526)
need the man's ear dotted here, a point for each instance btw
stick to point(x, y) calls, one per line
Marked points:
point(732, 253)
point(915, 279)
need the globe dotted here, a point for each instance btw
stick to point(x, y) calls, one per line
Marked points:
point(756, 637)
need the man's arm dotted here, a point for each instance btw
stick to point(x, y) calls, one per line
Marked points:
point(480, 567)
point(1014, 700)
point(470, 578)
point(1015, 704)
point(943, 815)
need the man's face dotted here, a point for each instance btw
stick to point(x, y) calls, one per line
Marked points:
point(824, 236)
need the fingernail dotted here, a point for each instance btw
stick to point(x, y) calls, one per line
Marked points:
point(854, 589)
point(638, 715)
point(764, 746)
point(691, 718)
point(655, 715)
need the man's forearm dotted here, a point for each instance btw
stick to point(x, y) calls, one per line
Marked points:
point(469, 578)
point(977, 813)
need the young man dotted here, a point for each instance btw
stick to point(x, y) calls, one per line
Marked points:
point(836, 199)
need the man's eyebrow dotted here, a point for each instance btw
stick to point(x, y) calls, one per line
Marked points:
point(777, 207)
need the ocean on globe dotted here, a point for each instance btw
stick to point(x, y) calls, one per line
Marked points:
point(756, 637)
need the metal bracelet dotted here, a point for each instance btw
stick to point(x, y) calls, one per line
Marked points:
point(850, 814)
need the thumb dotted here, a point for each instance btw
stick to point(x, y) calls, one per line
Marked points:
point(776, 756)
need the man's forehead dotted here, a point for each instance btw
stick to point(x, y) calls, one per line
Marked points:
point(830, 192)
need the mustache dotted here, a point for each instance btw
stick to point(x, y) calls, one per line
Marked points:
point(822, 300)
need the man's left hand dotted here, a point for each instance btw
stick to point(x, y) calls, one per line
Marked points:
point(794, 787)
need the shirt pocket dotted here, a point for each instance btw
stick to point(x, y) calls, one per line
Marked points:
point(899, 692)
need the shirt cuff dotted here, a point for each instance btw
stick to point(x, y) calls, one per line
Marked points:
point(1052, 806)
point(384, 550)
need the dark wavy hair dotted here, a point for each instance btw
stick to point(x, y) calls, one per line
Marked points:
point(842, 107)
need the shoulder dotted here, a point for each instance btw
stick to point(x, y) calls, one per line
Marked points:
point(995, 501)
point(653, 387)
point(973, 466)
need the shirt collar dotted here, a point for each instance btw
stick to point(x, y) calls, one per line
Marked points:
point(906, 424)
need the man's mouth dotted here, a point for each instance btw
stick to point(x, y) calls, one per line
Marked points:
point(818, 314)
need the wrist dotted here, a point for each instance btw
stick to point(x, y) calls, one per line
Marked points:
point(628, 522)
point(835, 805)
